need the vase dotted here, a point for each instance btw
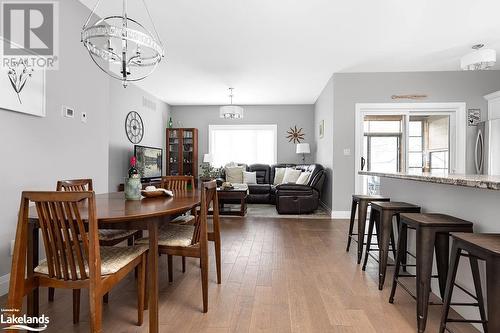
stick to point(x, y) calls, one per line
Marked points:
point(133, 187)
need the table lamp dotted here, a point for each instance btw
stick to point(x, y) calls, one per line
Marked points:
point(303, 148)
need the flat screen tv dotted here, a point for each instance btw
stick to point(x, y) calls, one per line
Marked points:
point(149, 162)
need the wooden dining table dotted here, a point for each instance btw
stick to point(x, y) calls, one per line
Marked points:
point(114, 212)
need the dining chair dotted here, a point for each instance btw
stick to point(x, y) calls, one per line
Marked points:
point(107, 237)
point(74, 258)
point(179, 183)
point(192, 240)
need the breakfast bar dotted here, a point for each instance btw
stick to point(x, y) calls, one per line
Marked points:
point(474, 198)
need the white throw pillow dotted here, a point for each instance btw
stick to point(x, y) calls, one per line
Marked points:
point(234, 174)
point(304, 178)
point(279, 173)
point(291, 176)
point(249, 177)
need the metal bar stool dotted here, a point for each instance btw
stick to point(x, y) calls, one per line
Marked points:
point(478, 246)
point(432, 231)
point(361, 202)
point(382, 217)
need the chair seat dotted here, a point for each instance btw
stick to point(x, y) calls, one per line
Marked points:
point(358, 197)
point(172, 235)
point(393, 205)
point(113, 258)
point(434, 220)
point(183, 219)
point(486, 242)
point(115, 234)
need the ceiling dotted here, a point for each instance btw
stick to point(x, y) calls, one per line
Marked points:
point(284, 51)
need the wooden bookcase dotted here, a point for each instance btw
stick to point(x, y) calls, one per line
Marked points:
point(182, 152)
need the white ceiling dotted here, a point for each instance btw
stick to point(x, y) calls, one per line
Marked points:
point(284, 51)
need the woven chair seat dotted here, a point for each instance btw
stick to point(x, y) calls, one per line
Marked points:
point(114, 234)
point(172, 235)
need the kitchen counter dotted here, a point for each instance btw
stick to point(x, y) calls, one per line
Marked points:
point(476, 181)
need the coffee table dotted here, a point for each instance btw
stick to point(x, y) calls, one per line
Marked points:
point(238, 194)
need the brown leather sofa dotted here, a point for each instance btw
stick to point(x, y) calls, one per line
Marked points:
point(288, 198)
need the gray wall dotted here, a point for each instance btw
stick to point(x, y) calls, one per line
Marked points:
point(323, 111)
point(285, 116)
point(39, 151)
point(351, 88)
point(122, 101)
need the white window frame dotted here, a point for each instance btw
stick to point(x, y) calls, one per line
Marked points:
point(458, 129)
point(273, 128)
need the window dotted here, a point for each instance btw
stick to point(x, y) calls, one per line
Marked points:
point(415, 146)
point(243, 144)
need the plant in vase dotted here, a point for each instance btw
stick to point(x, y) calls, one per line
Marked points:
point(133, 185)
point(208, 172)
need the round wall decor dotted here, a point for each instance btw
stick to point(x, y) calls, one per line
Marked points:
point(134, 127)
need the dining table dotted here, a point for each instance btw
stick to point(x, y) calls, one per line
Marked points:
point(115, 212)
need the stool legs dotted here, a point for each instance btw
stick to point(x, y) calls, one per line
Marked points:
point(362, 208)
point(385, 237)
point(442, 257)
point(493, 290)
point(400, 254)
point(479, 293)
point(351, 224)
point(425, 248)
point(371, 225)
point(455, 258)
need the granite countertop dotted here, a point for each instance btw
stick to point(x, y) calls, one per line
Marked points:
point(477, 181)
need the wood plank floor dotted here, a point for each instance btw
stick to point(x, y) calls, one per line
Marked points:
point(279, 275)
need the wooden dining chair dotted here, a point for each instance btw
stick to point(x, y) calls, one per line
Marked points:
point(179, 183)
point(107, 237)
point(74, 258)
point(192, 240)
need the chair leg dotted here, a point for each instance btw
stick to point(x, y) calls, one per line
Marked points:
point(479, 292)
point(362, 209)
point(442, 247)
point(371, 225)
point(393, 242)
point(445, 309)
point(404, 258)
point(383, 245)
point(204, 281)
point(218, 258)
point(170, 269)
point(95, 302)
point(51, 294)
point(76, 306)
point(425, 248)
point(493, 290)
point(400, 254)
point(351, 224)
point(183, 264)
point(141, 286)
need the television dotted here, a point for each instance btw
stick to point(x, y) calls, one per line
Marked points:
point(149, 162)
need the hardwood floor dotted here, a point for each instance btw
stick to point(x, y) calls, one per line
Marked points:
point(279, 275)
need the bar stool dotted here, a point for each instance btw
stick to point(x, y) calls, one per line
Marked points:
point(433, 231)
point(361, 202)
point(381, 217)
point(478, 246)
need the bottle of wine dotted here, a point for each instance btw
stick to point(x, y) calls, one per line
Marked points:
point(132, 171)
point(170, 123)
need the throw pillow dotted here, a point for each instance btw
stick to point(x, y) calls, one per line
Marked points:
point(291, 176)
point(279, 173)
point(234, 174)
point(303, 178)
point(249, 177)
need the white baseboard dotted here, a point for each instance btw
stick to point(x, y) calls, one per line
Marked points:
point(341, 214)
point(4, 284)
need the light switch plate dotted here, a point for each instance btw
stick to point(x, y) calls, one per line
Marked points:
point(347, 152)
point(83, 117)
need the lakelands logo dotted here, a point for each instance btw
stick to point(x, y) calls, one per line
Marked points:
point(24, 322)
point(30, 34)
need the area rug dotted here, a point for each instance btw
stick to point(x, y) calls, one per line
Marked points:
point(263, 210)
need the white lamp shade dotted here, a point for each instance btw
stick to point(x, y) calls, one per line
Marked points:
point(231, 112)
point(479, 59)
point(207, 158)
point(303, 148)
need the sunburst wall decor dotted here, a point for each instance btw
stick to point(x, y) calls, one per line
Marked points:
point(295, 134)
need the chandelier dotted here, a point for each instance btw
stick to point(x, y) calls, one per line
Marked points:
point(479, 59)
point(121, 46)
point(231, 111)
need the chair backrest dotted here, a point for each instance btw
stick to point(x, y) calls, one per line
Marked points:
point(208, 199)
point(68, 247)
point(75, 185)
point(178, 183)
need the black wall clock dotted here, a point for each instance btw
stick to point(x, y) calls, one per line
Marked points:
point(134, 127)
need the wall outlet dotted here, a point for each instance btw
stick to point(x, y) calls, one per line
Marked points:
point(68, 112)
point(347, 152)
point(12, 242)
point(83, 117)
